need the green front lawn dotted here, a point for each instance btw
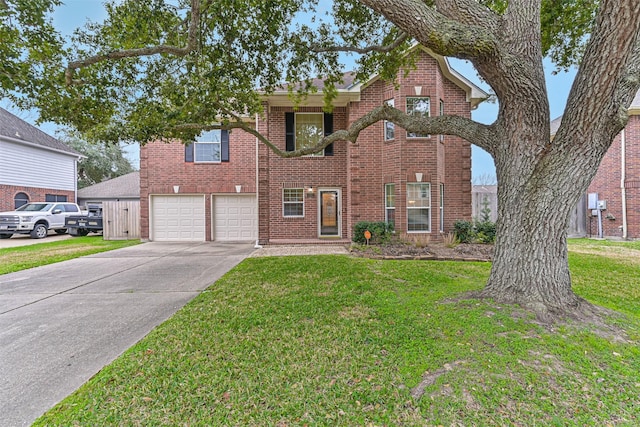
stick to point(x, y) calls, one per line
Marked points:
point(23, 257)
point(334, 340)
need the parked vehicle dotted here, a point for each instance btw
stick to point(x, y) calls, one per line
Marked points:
point(37, 219)
point(81, 225)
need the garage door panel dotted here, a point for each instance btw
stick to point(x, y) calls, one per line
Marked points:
point(235, 218)
point(178, 218)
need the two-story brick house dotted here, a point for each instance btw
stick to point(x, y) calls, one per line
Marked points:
point(229, 186)
point(617, 182)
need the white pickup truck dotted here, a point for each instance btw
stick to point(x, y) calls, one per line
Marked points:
point(37, 219)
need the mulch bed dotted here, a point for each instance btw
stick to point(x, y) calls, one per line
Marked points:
point(433, 251)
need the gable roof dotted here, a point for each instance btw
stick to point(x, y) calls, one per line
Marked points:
point(15, 129)
point(123, 187)
point(475, 95)
point(349, 89)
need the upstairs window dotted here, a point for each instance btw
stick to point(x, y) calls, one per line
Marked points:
point(309, 130)
point(419, 107)
point(208, 147)
point(442, 114)
point(389, 127)
point(303, 130)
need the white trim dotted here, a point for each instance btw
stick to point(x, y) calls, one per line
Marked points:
point(152, 230)
point(387, 208)
point(441, 222)
point(295, 131)
point(44, 147)
point(237, 197)
point(406, 108)
point(338, 192)
point(419, 207)
point(343, 98)
point(475, 95)
point(291, 203)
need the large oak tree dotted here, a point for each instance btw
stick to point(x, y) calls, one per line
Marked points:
point(159, 69)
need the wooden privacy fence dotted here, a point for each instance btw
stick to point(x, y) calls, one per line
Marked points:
point(121, 220)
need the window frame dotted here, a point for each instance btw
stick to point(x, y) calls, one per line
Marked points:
point(201, 140)
point(441, 114)
point(441, 208)
point(286, 202)
point(295, 132)
point(55, 198)
point(22, 198)
point(387, 125)
point(390, 206)
point(424, 188)
point(412, 135)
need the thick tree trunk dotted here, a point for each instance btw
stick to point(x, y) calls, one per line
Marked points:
point(537, 192)
point(530, 261)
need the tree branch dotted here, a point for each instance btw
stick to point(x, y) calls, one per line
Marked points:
point(192, 43)
point(362, 50)
point(476, 133)
point(434, 30)
point(469, 12)
point(603, 90)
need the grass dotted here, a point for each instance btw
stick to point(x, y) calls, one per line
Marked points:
point(23, 257)
point(334, 340)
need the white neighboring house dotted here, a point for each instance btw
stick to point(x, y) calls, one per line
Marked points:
point(34, 166)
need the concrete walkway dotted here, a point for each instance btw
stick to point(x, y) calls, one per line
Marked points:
point(292, 250)
point(61, 323)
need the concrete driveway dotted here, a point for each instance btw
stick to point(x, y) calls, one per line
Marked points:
point(61, 323)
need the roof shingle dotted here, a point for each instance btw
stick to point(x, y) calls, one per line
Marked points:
point(13, 127)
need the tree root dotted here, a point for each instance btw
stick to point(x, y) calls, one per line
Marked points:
point(580, 313)
point(430, 377)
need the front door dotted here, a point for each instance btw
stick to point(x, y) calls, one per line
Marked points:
point(329, 213)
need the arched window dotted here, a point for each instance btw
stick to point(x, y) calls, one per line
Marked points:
point(21, 199)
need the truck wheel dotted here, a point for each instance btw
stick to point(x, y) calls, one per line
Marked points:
point(61, 231)
point(39, 231)
point(5, 236)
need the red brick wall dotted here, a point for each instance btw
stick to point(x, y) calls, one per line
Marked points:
point(8, 194)
point(162, 166)
point(632, 183)
point(607, 183)
point(277, 173)
point(359, 170)
point(374, 162)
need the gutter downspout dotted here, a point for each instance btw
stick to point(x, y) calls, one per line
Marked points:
point(623, 178)
point(257, 245)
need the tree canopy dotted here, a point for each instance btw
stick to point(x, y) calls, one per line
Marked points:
point(159, 68)
point(102, 161)
point(29, 40)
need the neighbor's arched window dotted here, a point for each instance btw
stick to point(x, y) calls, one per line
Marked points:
point(21, 199)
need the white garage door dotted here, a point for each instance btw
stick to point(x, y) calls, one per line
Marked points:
point(177, 218)
point(235, 218)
